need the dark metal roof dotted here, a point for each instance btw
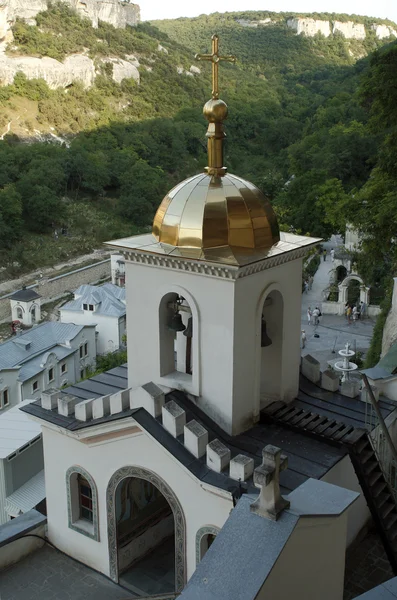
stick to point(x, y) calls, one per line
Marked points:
point(335, 406)
point(307, 457)
point(25, 295)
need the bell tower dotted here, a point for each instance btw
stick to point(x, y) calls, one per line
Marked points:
point(213, 294)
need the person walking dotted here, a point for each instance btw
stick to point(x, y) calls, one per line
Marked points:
point(303, 339)
point(316, 314)
point(309, 316)
point(363, 309)
point(310, 282)
point(325, 254)
point(306, 286)
point(355, 315)
point(332, 255)
point(349, 314)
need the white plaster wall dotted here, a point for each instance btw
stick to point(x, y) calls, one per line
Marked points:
point(107, 327)
point(26, 308)
point(387, 387)
point(9, 380)
point(343, 475)
point(228, 336)
point(312, 563)
point(200, 506)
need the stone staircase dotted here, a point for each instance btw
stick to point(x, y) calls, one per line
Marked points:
point(376, 490)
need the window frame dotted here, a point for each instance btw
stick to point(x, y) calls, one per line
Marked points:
point(85, 306)
point(76, 477)
point(51, 370)
point(4, 393)
point(35, 386)
point(83, 483)
point(64, 370)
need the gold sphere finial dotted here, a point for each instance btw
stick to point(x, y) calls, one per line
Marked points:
point(215, 111)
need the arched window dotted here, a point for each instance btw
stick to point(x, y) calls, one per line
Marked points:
point(82, 502)
point(19, 312)
point(179, 341)
point(204, 538)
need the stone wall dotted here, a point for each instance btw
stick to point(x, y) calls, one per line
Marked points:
point(56, 287)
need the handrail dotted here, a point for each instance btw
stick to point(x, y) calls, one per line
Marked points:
point(382, 423)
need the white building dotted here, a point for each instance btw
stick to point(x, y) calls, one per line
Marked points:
point(21, 464)
point(49, 355)
point(117, 268)
point(102, 306)
point(156, 464)
point(26, 306)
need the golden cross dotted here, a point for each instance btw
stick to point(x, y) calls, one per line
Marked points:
point(215, 59)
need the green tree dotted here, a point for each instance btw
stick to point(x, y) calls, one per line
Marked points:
point(10, 216)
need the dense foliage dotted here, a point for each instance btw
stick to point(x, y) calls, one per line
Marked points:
point(312, 127)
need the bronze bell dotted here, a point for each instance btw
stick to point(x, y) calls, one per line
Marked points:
point(176, 323)
point(189, 329)
point(265, 340)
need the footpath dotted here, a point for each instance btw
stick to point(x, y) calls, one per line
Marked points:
point(333, 331)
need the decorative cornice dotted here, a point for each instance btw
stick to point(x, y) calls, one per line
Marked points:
point(213, 269)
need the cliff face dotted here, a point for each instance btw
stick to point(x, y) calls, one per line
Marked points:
point(76, 67)
point(114, 12)
point(349, 29)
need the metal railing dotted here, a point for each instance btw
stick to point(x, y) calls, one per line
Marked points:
point(381, 441)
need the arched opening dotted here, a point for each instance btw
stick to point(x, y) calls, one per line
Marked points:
point(33, 313)
point(271, 342)
point(176, 336)
point(19, 313)
point(204, 539)
point(146, 531)
point(341, 273)
point(353, 292)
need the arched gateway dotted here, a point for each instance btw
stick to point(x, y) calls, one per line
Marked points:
point(179, 520)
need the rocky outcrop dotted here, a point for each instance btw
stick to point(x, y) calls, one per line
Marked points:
point(390, 328)
point(351, 31)
point(76, 67)
point(309, 27)
point(123, 69)
point(117, 13)
point(383, 31)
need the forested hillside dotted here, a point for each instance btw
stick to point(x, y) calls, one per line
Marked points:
point(306, 123)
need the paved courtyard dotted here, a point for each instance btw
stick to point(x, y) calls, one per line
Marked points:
point(333, 331)
point(47, 574)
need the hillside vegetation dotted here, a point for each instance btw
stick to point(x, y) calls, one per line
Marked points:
point(309, 125)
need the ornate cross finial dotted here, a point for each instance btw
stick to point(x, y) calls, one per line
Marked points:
point(270, 503)
point(215, 60)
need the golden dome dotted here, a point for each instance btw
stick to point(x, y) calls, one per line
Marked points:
point(205, 212)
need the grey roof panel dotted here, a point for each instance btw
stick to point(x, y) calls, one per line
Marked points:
point(18, 349)
point(385, 591)
point(25, 295)
point(377, 372)
point(108, 299)
point(243, 540)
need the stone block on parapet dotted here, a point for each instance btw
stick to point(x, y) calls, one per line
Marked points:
point(311, 368)
point(330, 380)
point(101, 407)
point(174, 418)
point(150, 397)
point(83, 410)
point(49, 398)
point(218, 456)
point(195, 438)
point(365, 397)
point(66, 405)
point(350, 388)
point(120, 401)
point(241, 467)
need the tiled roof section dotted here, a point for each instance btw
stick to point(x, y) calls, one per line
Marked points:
point(16, 429)
point(25, 295)
point(42, 338)
point(108, 299)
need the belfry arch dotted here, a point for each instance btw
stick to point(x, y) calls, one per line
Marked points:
point(270, 346)
point(179, 520)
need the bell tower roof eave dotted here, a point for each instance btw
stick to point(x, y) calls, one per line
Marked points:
point(289, 247)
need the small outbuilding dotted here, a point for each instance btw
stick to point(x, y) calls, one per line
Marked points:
point(26, 306)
